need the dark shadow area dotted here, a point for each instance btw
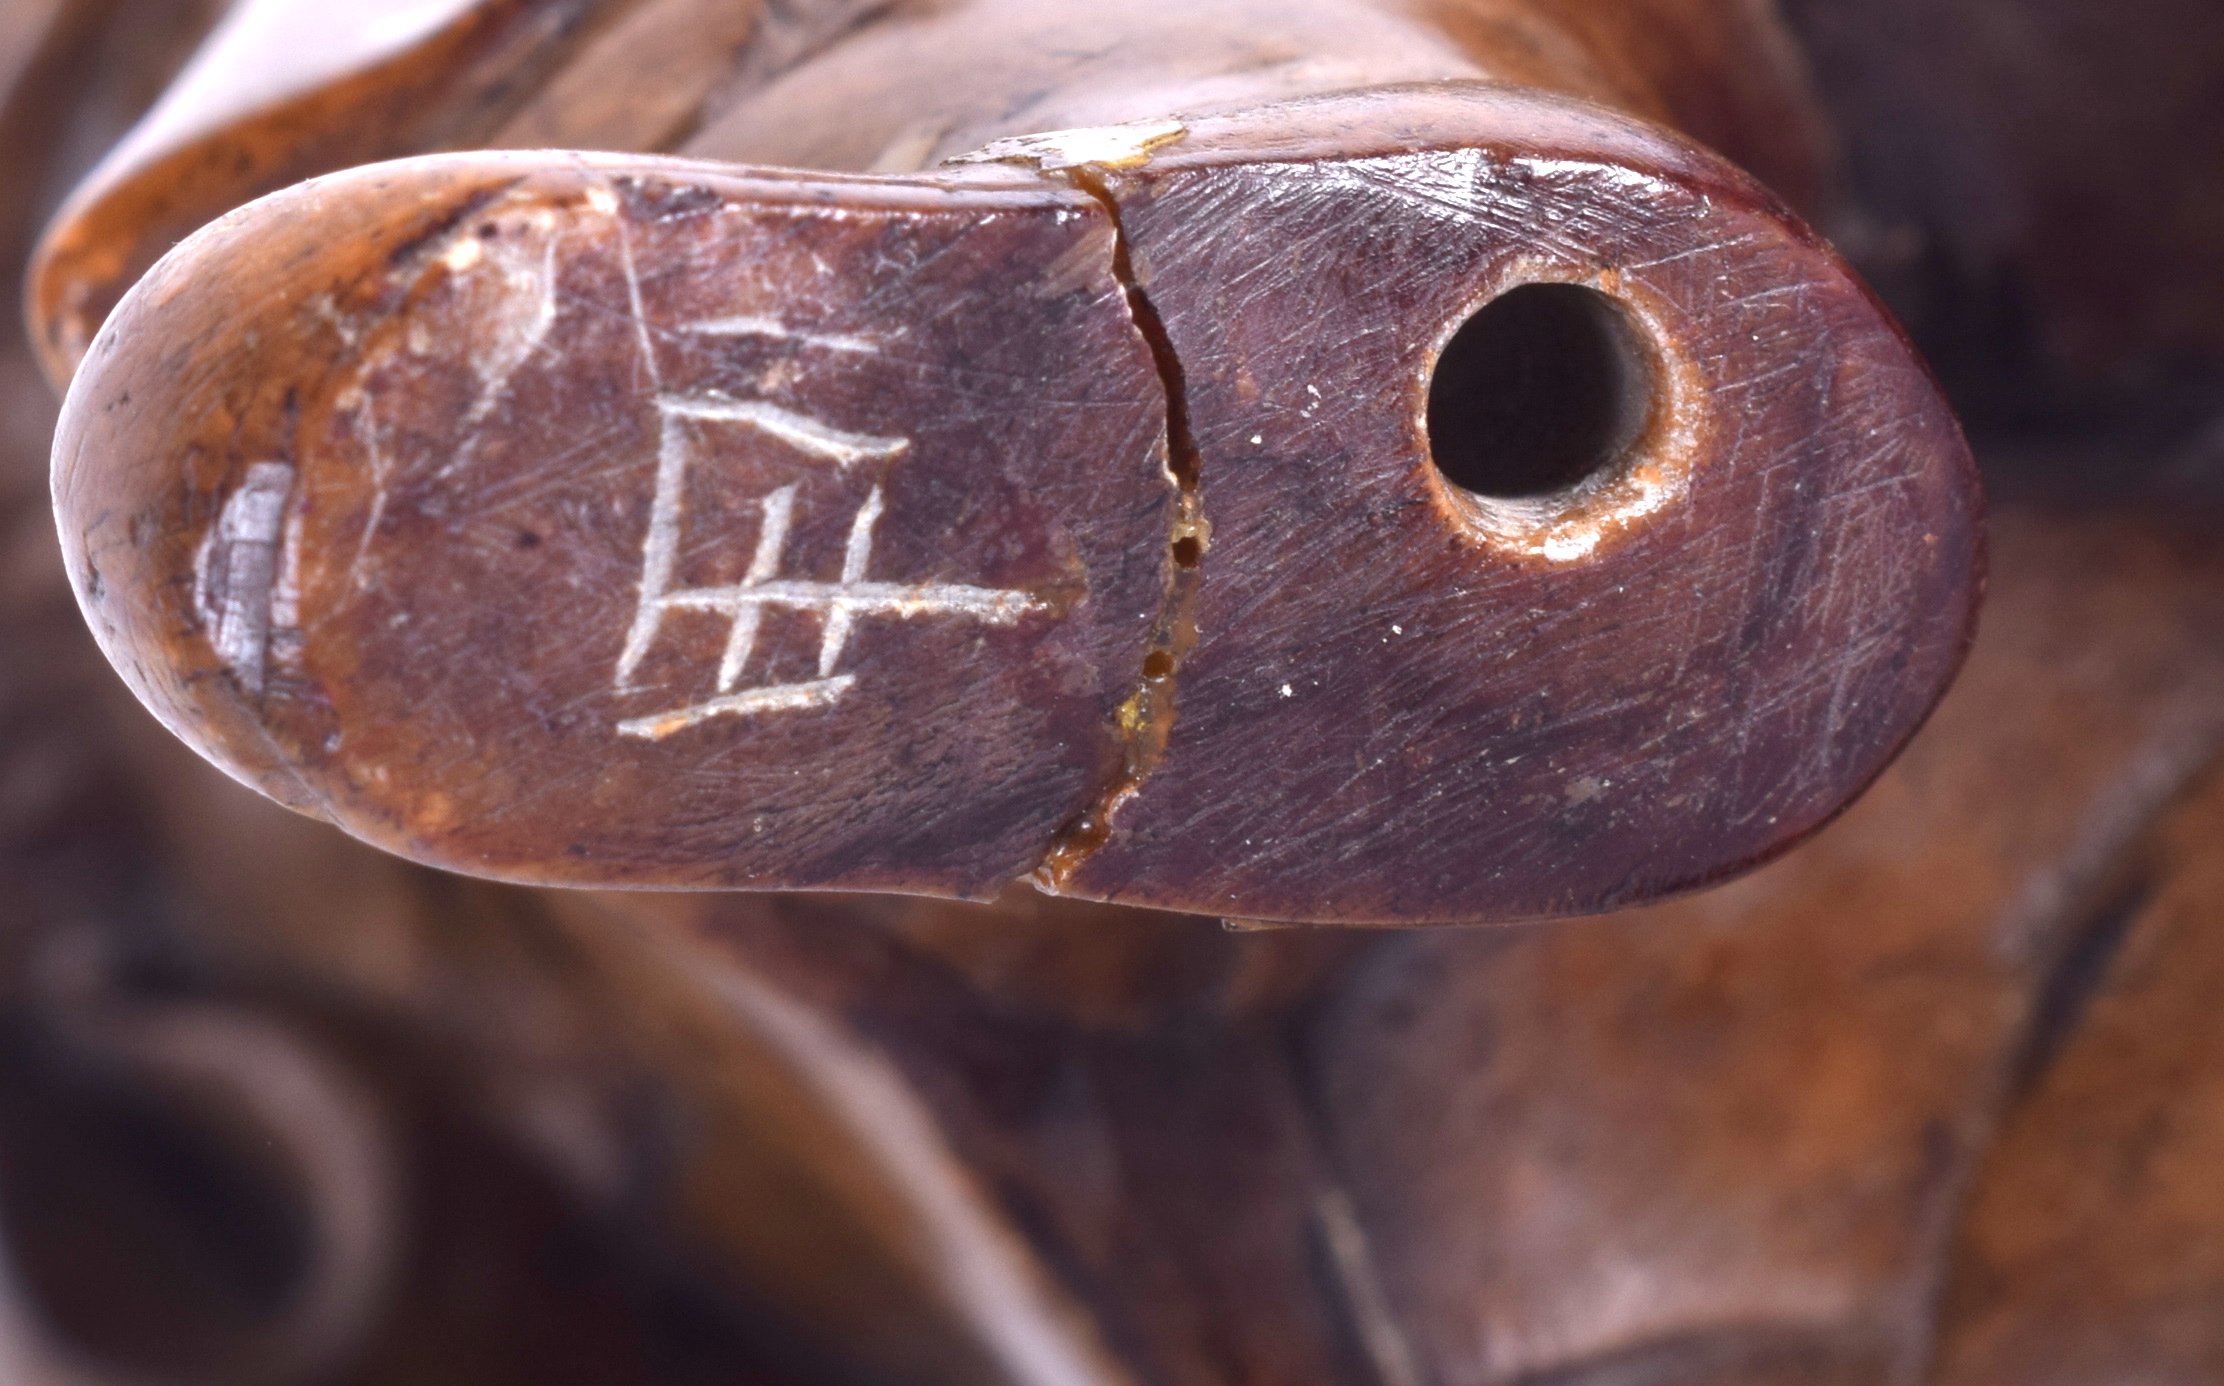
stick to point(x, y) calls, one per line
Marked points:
point(1543, 388)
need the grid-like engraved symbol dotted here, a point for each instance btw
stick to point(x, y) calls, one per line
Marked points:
point(838, 604)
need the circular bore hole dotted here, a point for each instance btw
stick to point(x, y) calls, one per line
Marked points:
point(1157, 664)
point(1544, 388)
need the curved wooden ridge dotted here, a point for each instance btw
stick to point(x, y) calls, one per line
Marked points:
point(286, 90)
point(1068, 511)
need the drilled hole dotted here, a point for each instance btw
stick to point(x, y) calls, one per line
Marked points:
point(1187, 551)
point(1157, 664)
point(1544, 388)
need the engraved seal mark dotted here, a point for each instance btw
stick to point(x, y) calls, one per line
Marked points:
point(837, 604)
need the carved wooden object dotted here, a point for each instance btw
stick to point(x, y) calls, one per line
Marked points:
point(1931, 1100)
point(1415, 502)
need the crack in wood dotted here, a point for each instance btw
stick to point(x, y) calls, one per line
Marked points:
point(1145, 720)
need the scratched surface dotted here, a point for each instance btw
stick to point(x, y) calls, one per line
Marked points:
point(633, 522)
point(1791, 1080)
point(1559, 710)
point(1724, 1140)
point(650, 528)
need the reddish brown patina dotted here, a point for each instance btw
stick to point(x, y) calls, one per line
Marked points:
point(1932, 1099)
point(1075, 511)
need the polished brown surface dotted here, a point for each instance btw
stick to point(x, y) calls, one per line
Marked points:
point(287, 91)
point(486, 550)
point(1585, 699)
point(1927, 1101)
point(464, 664)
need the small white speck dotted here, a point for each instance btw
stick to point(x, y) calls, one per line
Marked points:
point(463, 255)
point(1288, 692)
point(1397, 630)
point(1257, 439)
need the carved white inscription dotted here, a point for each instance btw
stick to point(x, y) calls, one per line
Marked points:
point(838, 604)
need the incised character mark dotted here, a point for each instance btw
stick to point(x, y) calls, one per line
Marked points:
point(838, 604)
point(519, 272)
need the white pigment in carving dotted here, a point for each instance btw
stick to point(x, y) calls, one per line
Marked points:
point(236, 568)
point(838, 604)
